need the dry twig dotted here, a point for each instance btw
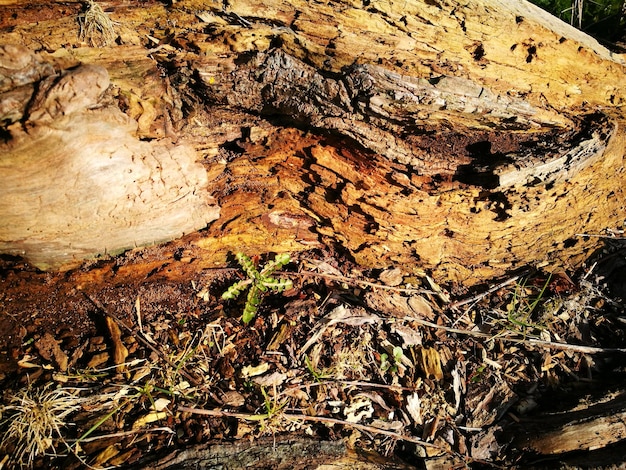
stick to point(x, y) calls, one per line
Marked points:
point(318, 419)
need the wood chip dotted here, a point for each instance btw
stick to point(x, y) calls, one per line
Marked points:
point(50, 350)
point(430, 363)
point(120, 353)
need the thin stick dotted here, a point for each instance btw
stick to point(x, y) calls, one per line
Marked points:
point(123, 434)
point(593, 235)
point(318, 419)
point(529, 342)
point(353, 383)
point(488, 291)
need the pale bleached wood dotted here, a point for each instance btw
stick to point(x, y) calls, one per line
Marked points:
point(76, 180)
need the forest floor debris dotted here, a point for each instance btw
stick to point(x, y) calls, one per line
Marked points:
point(386, 361)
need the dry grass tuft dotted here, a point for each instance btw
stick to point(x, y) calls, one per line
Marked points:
point(96, 28)
point(35, 418)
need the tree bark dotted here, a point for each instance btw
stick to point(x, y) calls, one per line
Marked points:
point(466, 139)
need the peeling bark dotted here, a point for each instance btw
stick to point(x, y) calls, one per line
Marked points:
point(591, 433)
point(275, 453)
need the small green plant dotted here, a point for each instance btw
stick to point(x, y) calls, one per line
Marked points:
point(258, 282)
point(601, 18)
point(391, 364)
point(520, 310)
point(273, 419)
point(478, 374)
point(318, 375)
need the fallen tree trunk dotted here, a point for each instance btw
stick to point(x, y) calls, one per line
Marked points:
point(462, 139)
point(283, 454)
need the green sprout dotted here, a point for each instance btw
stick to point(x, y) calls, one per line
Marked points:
point(258, 282)
point(391, 364)
point(520, 310)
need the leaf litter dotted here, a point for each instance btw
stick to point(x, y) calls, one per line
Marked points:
point(388, 365)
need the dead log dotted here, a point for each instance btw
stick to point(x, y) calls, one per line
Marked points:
point(466, 139)
point(76, 180)
point(274, 453)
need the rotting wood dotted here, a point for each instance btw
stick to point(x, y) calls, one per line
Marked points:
point(593, 424)
point(76, 181)
point(462, 139)
point(287, 453)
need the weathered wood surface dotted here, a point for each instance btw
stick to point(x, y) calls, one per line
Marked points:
point(466, 139)
point(275, 453)
point(566, 435)
point(76, 181)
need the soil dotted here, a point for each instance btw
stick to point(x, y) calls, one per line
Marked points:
point(358, 347)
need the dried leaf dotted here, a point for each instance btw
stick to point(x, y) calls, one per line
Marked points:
point(26, 364)
point(233, 398)
point(252, 371)
point(107, 454)
point(280, 337)
point(400, 306)
point(340, 314)
point(421, 307)
point(410, 336)
point(120, 353)
point(98, 359)
point(391, 277)
point(350, 316)
point(50, 350)
point(149, 418)
point(298, 394)
point(324, 267)
point(160, 404)
point(376, 398)
point(271, 380)
point(395, 426)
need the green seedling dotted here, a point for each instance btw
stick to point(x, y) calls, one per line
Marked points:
point(519, 311)
point(271, 421)
point(477, 376)
point(391, 364)
point(318, 375)
point(258, 283)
